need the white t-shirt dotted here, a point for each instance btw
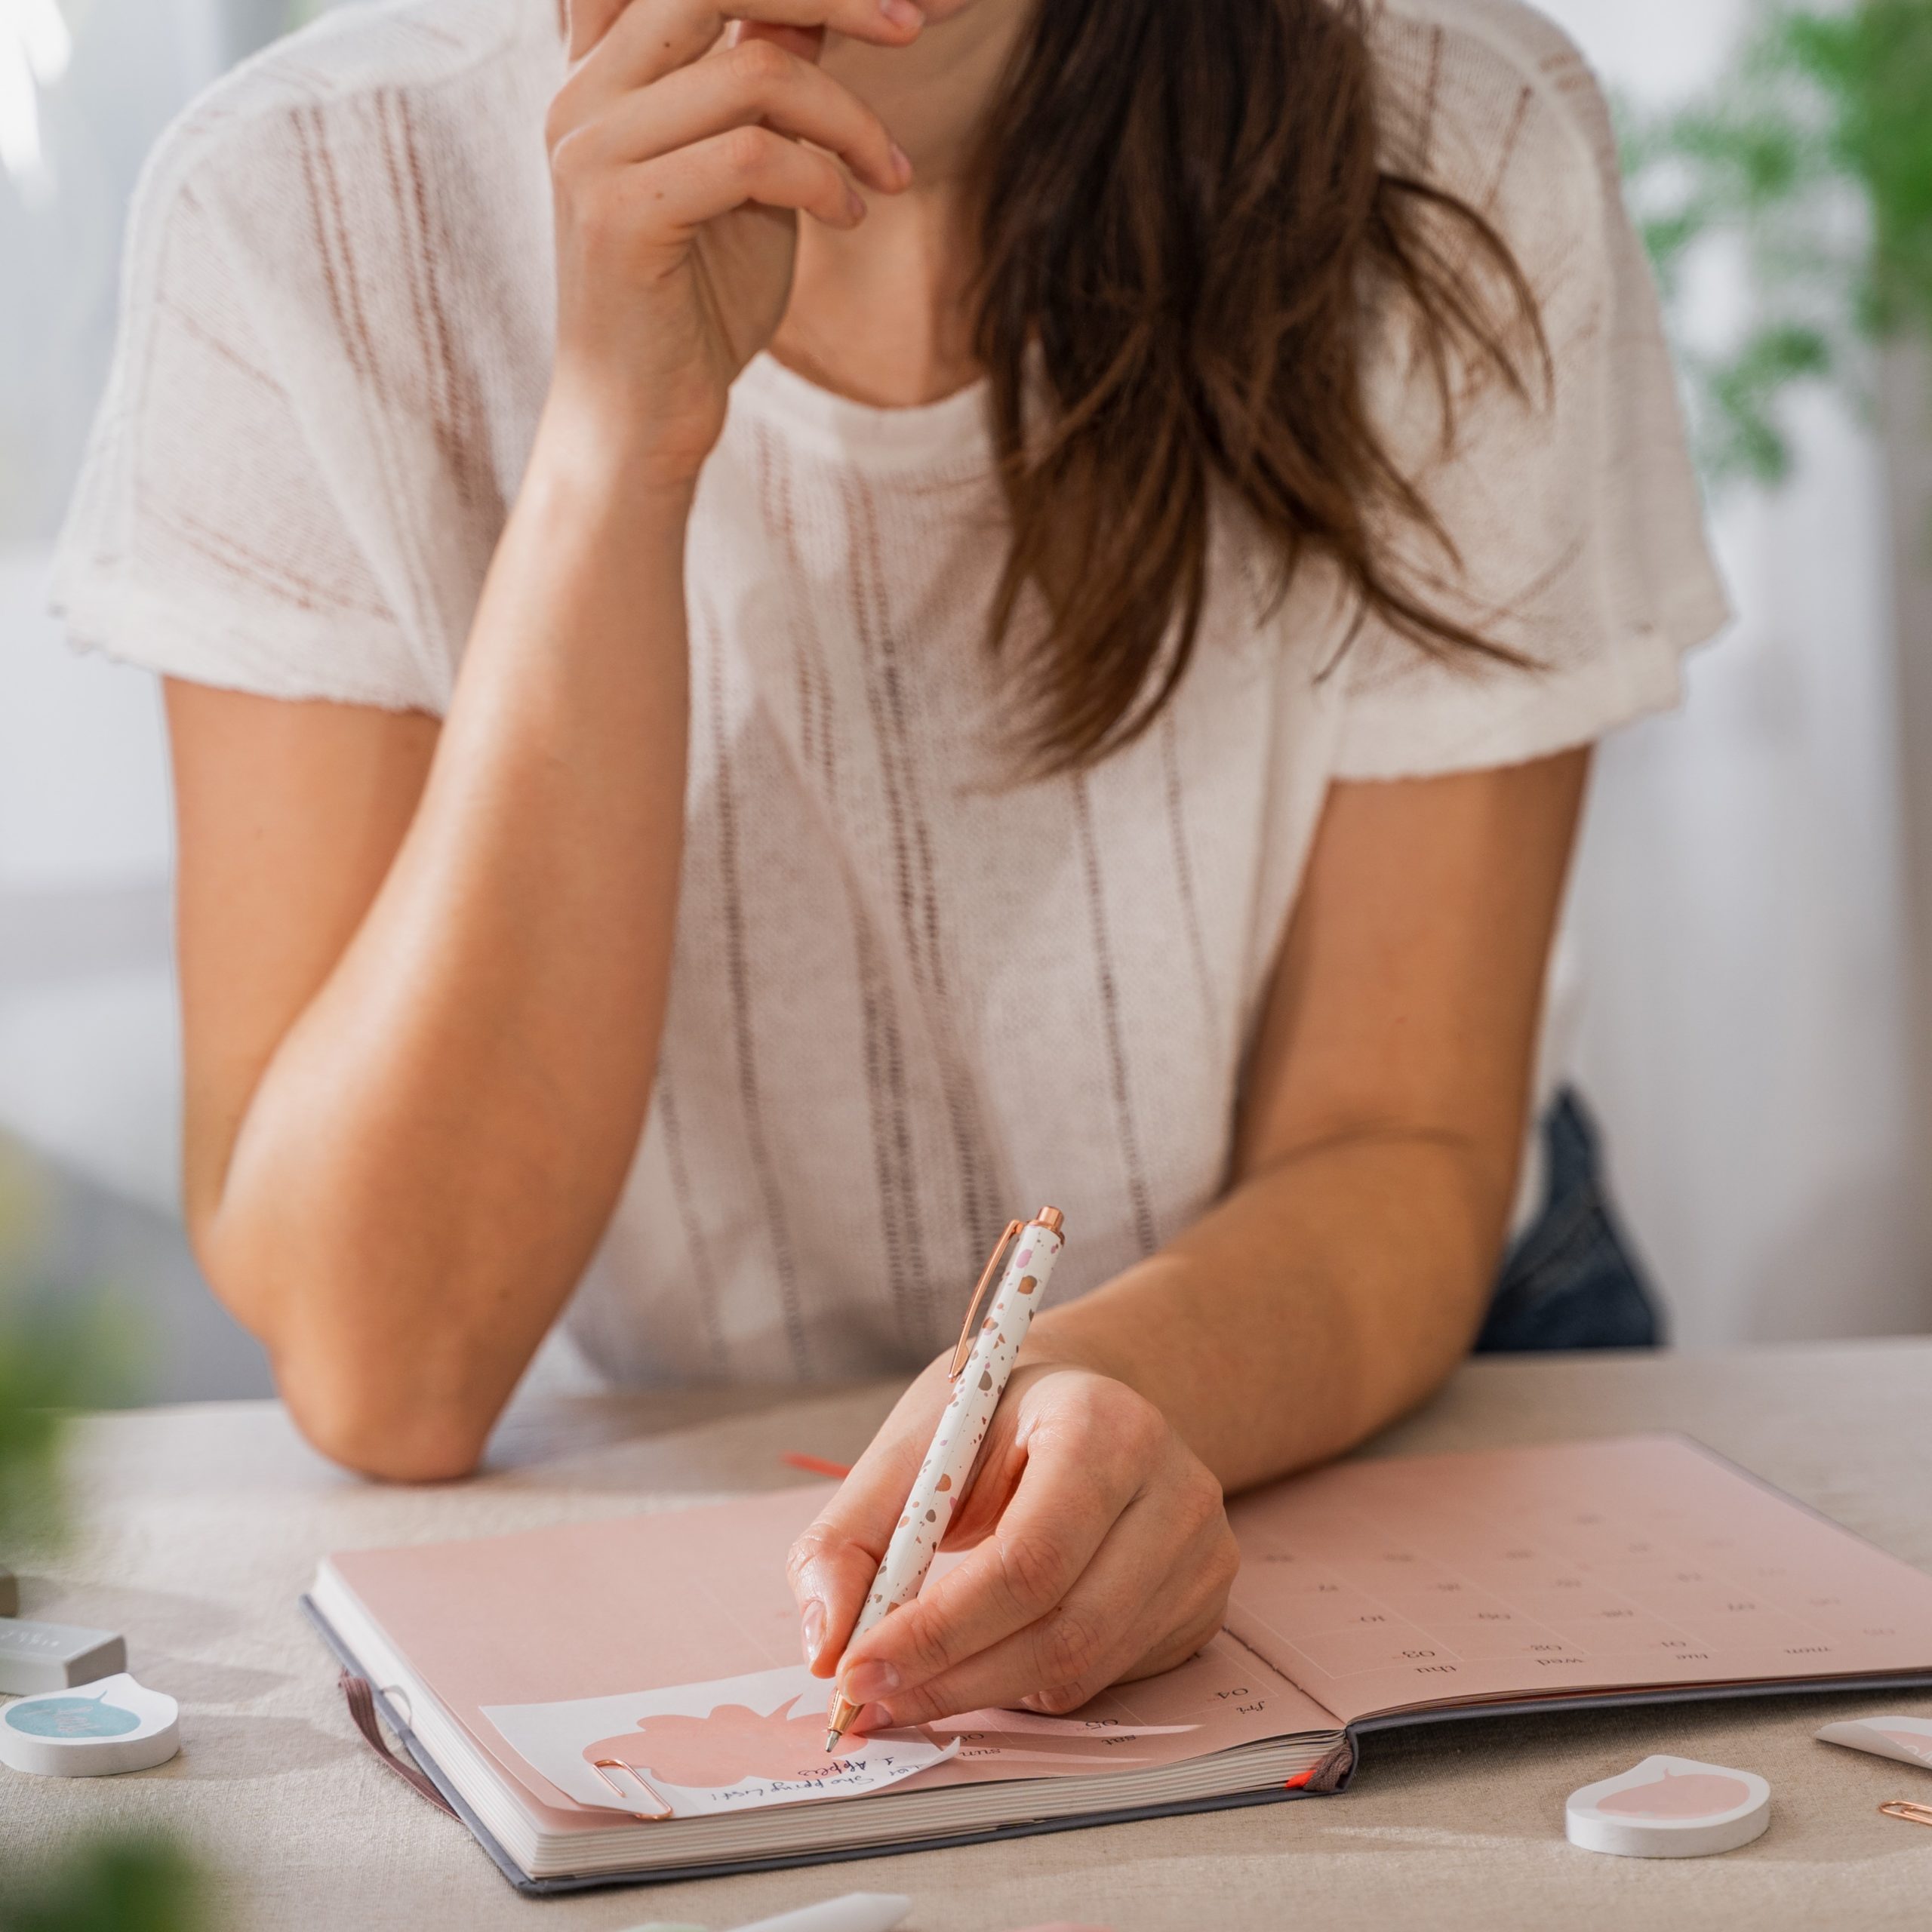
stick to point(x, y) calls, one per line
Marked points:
point(908, 999)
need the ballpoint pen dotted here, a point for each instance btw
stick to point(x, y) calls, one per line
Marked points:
point(981, 1364)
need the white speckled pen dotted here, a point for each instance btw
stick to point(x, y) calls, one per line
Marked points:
point(981, 1364)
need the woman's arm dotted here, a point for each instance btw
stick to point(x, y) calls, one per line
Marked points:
point(423, 975)
point(1336, 1285)
point(424, 969)
point(1349, 1266)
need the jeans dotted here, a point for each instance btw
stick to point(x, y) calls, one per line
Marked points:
point(1570, 1281)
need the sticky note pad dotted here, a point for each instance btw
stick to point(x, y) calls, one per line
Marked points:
point(91, 1730)
point(1669, 1807)
point(49, 1656)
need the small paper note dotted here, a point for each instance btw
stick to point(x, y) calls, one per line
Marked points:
point(1908, 1740)
point(1022, 1736)
point(733, 1745)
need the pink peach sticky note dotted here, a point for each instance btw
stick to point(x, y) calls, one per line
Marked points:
point(1669, 1807)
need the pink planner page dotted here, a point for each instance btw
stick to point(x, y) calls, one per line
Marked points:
point(683, 1597)
point(1568, 1567)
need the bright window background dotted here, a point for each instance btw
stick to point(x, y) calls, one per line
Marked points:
point(1742, 901)
point(89, 1053)
point(1739, 904)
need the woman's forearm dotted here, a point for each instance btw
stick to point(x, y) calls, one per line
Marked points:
point(1322, 1299)
point(430, 1152)
point(430, 1155)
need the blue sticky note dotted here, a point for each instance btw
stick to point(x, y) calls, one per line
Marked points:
point(71, 1717)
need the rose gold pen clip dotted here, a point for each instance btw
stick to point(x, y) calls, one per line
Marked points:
point(1049, 1218)
point(991, 1268)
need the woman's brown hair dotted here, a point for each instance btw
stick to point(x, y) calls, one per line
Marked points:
point(1186, 217)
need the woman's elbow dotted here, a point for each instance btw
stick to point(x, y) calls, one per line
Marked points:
point(362, 1394)
point(388, 1433)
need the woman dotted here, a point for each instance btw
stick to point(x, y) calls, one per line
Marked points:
point(781, 644)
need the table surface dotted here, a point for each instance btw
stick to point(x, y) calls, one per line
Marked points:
point(203, 1524)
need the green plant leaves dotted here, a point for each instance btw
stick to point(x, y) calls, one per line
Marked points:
point(59, 1353)
point(122, 1885)
point(1813, 159)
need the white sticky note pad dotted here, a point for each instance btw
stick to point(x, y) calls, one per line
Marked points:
point(1907, 1740)
point(1669, 1807)
point(112, 1725)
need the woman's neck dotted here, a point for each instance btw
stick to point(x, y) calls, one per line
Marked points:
point(880, 313)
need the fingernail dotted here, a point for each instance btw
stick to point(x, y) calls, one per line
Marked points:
point(865, 1682)
point(902, 162)
point(903, 13)
point(811, 1627)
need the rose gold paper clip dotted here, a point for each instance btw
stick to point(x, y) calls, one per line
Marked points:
point(604, 1767)
point(1904, 1807)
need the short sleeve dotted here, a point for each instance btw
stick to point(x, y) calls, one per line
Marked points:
point(228, 528)
point(1575, 517)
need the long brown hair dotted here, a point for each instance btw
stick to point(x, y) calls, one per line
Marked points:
point(1185, 216)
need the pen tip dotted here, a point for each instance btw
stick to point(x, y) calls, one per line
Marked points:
point(831, 1742)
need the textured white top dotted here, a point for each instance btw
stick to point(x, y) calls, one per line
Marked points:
point(337, 332)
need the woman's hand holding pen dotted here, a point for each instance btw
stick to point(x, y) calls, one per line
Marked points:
point(689, 139)
point(1099, 1552)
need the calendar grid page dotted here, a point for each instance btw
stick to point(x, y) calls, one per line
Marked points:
point(1644, 1562)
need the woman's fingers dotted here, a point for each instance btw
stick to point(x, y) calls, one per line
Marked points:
point(588, 21)
point(755, 82)
point(829, 1571)
point(740, 167)
point(1107, 1555)
point(1009, 1582)
point(1085, 1464)
point(617, 50)
point(832, 1566)
point(1151, 1596)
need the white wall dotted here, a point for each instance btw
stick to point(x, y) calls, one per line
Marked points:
point(1740, 897)
point(87, 1051)
point(88, 1054)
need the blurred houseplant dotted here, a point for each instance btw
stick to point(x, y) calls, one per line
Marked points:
point(1813, 158)
point(58, 1354)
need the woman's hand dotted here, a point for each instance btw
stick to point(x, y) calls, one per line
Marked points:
point(689, 139)
point(1099, 1552)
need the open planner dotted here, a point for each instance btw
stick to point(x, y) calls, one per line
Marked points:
point(622, 1700)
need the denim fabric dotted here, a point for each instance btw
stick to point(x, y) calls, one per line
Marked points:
point(1570, 1282)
